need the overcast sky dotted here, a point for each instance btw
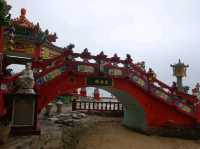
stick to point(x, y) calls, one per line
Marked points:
point(158, 32)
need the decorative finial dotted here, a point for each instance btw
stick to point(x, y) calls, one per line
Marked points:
point(70, 46)
point(23, 12)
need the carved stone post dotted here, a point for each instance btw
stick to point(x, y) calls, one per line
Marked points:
point(59, 105)
point(24, 105)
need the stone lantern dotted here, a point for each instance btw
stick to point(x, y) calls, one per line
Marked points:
point(179, 71)
point(23, 110)
point(59, 105)
point(49, 109)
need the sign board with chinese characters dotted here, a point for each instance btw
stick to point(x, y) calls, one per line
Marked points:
point(97, 81)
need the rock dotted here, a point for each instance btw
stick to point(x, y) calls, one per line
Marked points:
point(83, 115)
point(68, 122)
point(76, 116)
point(74, 112)
point(53, 119)
point(64, 116)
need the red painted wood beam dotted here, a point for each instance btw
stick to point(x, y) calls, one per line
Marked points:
point(37, 52)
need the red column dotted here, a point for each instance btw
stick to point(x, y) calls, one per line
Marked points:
point(2, 106)
point(74, 92)
point(198, 112)
point(83, 92)
point(96, 94)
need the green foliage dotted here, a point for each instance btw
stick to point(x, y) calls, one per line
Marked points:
point(64, 99)
point(4, 13)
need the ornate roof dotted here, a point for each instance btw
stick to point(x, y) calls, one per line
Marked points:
point(23, 22)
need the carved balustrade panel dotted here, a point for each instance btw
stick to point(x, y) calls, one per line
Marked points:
point(50, 76)
point(138, 80)
point(183, 106)
point(161, 94)
point(85, 68)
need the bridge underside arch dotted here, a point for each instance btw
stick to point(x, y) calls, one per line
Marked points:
point(134, 114)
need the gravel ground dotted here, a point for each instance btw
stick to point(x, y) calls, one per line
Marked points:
point(112, 135)
point(107, 133)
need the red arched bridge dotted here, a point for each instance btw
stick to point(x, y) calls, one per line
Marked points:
point(148, 102)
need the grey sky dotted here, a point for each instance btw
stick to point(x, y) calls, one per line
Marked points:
point(156, 31)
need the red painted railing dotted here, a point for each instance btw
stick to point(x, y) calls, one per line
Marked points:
point(68, 60)
point(154, 86)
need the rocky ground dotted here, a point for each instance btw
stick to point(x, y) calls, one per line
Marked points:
point(76, 130)
point(58, 131)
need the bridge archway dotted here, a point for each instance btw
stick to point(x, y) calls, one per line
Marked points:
point(135, 115)
point(143, 111)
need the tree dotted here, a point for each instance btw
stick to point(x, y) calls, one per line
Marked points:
point(4, 13)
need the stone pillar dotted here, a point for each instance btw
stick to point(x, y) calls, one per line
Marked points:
point(24, 105)
point(49, 109)
point(59, 105)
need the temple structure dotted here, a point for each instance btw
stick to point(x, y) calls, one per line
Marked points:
point(25, 39)
point(151, 106)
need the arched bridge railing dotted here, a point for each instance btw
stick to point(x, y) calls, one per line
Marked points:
point(86, 64)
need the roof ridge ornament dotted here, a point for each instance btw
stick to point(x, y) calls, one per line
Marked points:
point(115, 58)
point(23, 21)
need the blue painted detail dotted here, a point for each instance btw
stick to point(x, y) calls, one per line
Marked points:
point(50, 75)
point(139, 81)
point(62, 69)
point(38, 81)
